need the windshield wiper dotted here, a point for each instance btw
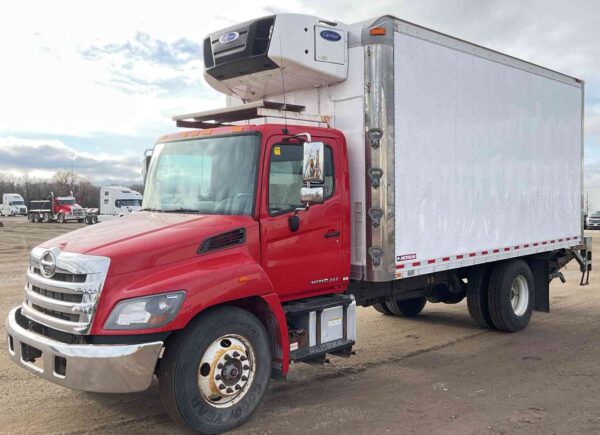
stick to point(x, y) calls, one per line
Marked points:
point(183, 210)
point(156, 210)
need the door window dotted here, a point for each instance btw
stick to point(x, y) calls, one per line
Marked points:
point(285, 177)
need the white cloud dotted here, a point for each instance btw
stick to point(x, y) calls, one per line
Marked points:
point(42, 158)
point(51, 87)
point(123, 68)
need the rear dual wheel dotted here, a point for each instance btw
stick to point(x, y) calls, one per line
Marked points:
point(404, 308)
point(511, 295)
point(214, 373)
point(506, 301)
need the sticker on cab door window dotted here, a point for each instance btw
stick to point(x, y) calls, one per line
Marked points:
point(277, 151)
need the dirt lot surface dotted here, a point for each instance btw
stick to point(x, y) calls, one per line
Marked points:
point(435, 374)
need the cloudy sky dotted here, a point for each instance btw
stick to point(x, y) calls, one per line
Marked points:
point(98, 82)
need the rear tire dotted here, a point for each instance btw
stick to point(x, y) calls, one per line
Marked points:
point(36, 218)
point(407, 307)
point(477, 302)
point(511, 295)
point(198, 382)
point(382, 308)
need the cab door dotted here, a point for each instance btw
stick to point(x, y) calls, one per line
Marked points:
point(306, 261)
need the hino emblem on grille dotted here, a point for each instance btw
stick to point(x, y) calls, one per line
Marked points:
point(48, 264)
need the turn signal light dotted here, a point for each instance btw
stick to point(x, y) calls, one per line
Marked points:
point(377, 31)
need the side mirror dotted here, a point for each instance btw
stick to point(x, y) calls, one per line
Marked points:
point(313, 162)
point(313, 171)
point(146, 163)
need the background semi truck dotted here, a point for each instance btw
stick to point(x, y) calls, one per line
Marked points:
point(55, 209)
point(376, 164)
point(115, 201)
point(13, 204)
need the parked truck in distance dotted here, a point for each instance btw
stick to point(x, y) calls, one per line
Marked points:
point(55, 209)
point(401, 167)
point(13, 204)
point(115, 201)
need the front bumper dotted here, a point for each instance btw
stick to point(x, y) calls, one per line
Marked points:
point(107, 368)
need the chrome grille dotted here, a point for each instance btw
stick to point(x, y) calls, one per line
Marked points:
point(67, 299)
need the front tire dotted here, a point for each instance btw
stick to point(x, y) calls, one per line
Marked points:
point(61, 219)
point(511, 295)
point(214, 373)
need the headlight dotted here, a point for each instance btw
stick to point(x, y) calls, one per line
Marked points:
point(145, 312)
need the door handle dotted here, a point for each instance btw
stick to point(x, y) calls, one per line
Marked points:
point(330, 234)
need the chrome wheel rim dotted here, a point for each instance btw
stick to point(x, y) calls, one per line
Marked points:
point(519, 295)
point(226, 370)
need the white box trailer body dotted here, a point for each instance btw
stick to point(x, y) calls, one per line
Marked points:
point(480, 157)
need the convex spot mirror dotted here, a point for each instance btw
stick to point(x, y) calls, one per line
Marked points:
point(312, 195)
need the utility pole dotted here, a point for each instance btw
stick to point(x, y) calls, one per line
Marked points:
point(72, 160)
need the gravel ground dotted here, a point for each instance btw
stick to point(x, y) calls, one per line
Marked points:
point(434, 374)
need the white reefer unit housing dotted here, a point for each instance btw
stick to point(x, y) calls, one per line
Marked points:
point(458, 154)
point(268, 56)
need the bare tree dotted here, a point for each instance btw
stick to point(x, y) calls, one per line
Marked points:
point(85, 191)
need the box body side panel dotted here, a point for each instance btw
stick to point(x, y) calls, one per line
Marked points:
point(488, 158)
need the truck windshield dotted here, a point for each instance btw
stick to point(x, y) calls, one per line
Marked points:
point(66, 201)
point(17, 203)
point(129, 202)
point(215, 175)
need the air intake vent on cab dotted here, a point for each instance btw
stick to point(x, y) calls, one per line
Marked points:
point(225, 240)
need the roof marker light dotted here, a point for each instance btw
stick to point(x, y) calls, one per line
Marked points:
point(377, 31)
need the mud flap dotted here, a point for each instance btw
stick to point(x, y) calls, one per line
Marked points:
point(540, 267)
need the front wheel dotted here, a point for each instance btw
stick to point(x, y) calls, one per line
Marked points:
point(61, 219)
point(214, 373)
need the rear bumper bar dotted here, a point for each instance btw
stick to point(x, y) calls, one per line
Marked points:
point(107, 368)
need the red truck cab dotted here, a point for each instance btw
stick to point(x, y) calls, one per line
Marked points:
point(55, 209)
point(222, 242)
